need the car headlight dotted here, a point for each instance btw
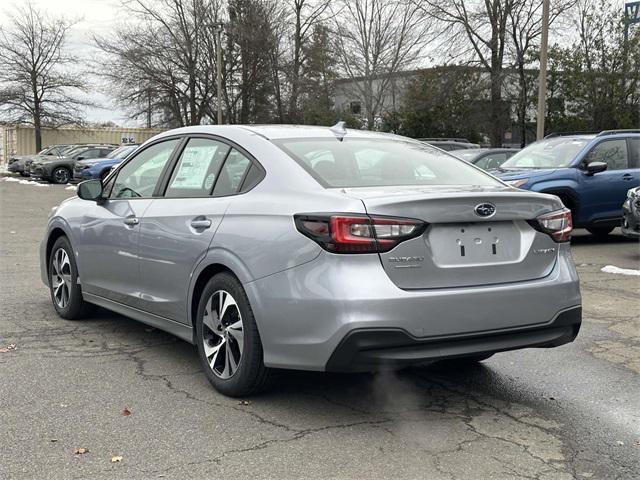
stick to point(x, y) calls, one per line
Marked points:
point(517, 183)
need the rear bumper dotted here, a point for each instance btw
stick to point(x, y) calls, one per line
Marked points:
point(305, 313)
point(368, 349)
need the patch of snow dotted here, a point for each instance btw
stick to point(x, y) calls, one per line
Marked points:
point(71, 187)
point(11, 179)
point(621, 271)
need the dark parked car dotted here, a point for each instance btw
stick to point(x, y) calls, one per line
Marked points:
point(631, 213)
point(591, 173)
point(485, 158)
point(448, 144)
point(100, 167)
point(21, 163)
point(60, 169)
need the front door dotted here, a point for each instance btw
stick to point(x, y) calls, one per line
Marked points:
point(109, 244)
point(603, 193)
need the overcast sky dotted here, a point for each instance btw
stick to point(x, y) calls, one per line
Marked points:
point(99, 17)
point(94, 17)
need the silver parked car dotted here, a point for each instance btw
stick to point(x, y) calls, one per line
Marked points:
point(317, 249)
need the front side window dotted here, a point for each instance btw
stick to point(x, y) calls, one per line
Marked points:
point(491, 161)
point(139, 177)
point(89, 153)
point(197, 170)
point(555, 152)
point(611, 152)
point(363, 162)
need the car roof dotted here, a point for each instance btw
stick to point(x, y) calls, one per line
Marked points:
point(275, 132)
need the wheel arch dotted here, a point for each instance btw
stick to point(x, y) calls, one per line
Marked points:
point(205, 272)
point(568, 196)
point(54, 235)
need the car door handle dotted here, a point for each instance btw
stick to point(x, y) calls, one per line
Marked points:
point(200, 223)
point(131, 221)
point(627, 176)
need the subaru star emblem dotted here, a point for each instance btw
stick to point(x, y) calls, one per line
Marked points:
point(485, 209)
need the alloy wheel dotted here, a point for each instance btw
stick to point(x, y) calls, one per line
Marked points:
point(61, 278)
point(61, 175)
point(222, 334)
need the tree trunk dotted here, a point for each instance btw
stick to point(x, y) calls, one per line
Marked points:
point(37, 121)
point(522, 113)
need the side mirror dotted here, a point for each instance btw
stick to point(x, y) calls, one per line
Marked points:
point(90, 190)
point(596, 167)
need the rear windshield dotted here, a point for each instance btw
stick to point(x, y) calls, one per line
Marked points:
point(363, 162)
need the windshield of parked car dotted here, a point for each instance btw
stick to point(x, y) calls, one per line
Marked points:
point(122, 152)
point(73, 151)
point(548, 153)
point(364, 162)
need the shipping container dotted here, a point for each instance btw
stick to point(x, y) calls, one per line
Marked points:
point(21, 140)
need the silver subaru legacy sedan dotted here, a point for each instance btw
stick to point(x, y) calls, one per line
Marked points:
point(292, 247)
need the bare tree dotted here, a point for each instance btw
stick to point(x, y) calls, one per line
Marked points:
point(376, 39)
point(38, 86)
point(164, 59)
point(483, 28)
point(525, 30)
point(305, 14)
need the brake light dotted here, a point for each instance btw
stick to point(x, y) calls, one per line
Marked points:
point(558, 225)
point(358, 233)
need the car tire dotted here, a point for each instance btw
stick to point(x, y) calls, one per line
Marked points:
point(60, 175)
point(65, 291)
point(600, 231)
point(227, 339)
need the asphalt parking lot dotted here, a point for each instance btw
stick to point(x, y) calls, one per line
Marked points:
point(569, 412)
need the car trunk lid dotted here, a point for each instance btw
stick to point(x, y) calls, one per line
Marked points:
point(460, 247)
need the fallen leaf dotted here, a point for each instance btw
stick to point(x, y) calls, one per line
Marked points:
point(116, 458)
point(636, 444)
point(8, 348)
point(81, 451)
point(126, 412)
point(53, 440)
point(244, 402)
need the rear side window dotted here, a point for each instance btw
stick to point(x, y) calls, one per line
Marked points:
point(363, 162)
point(198, 168)
point(612, 152)
point(232, 173)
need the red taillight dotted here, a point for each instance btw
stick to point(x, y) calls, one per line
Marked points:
point(358, 233)
point(558, 225)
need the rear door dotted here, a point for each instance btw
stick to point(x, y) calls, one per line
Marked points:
point(177, 229)
point(603, 194)
point(109, 245)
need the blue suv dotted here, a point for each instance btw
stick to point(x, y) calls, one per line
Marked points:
point(591, 173)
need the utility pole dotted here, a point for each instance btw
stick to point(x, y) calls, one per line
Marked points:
point(542, 78)
point(219, 26)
